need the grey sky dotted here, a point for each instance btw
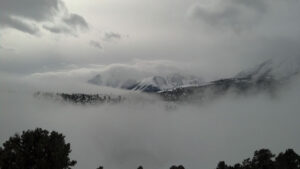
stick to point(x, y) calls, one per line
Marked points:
point(201, 34)
point(76, 21)
point(38, 10)
point(95, 44)
point(110, 36)
point(25, 15)
point(232, 14)
point(57, 29)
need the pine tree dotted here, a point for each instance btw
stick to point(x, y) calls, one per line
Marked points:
point(36, 149)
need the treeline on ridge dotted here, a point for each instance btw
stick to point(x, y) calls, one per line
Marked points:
point(81, 98)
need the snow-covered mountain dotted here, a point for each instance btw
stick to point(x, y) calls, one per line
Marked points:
point(267, 76)
point(149, 84)
point(159, 83)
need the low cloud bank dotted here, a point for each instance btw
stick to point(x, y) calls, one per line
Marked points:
point(136, 70)
point(148, 134)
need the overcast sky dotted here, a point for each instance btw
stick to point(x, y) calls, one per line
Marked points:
point(212, 38)
point(65, 40)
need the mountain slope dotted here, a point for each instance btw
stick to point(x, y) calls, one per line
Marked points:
point(149, 84)
point(267, 76)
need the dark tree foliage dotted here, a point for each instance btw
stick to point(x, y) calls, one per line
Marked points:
point(36, 149)
point(180, 167)
point(173, 167)
point(177, 167)
point(288, 160)
point(264, 159)
point(81, 98)
point(222, 165)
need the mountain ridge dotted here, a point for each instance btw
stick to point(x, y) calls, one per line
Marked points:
point(266, 76)
point(150, 84)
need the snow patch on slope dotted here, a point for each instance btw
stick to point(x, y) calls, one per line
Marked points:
point(152, 83)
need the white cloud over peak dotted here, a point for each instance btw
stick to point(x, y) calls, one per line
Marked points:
point(121, 72)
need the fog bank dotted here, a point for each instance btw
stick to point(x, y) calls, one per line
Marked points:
point(146, 133)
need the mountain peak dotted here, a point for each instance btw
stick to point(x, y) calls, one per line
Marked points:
point(150, 83)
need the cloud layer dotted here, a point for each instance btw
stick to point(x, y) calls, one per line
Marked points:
point(95, 44)
point(113, 72)
point(147, 133)
point(234, 14)
point(27, 15)
point(266, 28)
point(76, 21)
point(111, 36)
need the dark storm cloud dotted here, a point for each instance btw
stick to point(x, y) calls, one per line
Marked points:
point(25, 15)
point(76, 21)
point(57, 29)
point(235, 14)
point(95, 44)
point(110, 36)
point(12, 11)
point(38, 10)
point(19, 25)
point(72, 23)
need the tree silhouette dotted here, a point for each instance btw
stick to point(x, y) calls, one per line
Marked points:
point(100, 167)
point(247, 164)
point(180, 167)
point(177, 167)
point(173, 167)
point(288, 160)
point(36, 149)
point(222, 165)
point(264, 159)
